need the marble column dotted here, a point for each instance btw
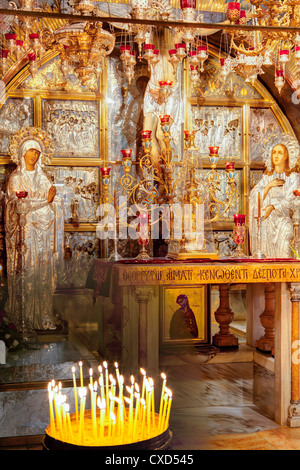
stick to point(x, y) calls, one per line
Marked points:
point(267, 319)
point(143, 295)
point(294, 408)
point(224, 316)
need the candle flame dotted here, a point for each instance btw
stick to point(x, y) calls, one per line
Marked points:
point(82, 392)
point(91, 371)
point(100, 369)
point(121, 379)
point(105, 364)
point(143, 402)
point(73, 370)
point(80, 364)
point(132, 379)
point(163, 376)
point(101, 403)
point(151, 382)
point(127, 400)
point(137, 388)
point(116, 365)
point(143, 372)
point(128, 389)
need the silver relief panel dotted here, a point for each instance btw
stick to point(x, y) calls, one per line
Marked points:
point(79, 189)
point(262, 125)
point(218, 126)
point(15, 114)
point(73, 126)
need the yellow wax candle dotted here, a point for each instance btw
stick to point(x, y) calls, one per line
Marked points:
point(148, 401)
point(121, 385)
point(81, 374)
point(106, 386)
point(70, 427)
point(50, 394)
point(152, 400)
point(143, 404)
point(117, 373)
point(168, 410)
point(93, 410)
point(143, 372)
point(162, 425)
point(101, 404)
point(113, 424)
point(64, 417)
point(75, 393)
point(136, 415)
point(101, 383)
point(91, 377)
point(164, 377)
point(82, 394)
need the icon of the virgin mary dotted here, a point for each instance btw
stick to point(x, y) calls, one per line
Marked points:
point(34, 231)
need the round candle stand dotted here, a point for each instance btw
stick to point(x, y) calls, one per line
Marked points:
point(157, 441)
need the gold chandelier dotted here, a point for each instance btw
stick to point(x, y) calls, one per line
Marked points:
point(81, 44)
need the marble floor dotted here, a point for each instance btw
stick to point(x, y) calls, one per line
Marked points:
point(212, 401)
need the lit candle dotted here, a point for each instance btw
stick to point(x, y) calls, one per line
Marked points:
point(144, 405)
point(164, 377)
point(137, 404)
point(75, 393)
point(121, 384)
point(152, 400)
point(143, 372)
point(258, 206)
point(91, 378)
point(117, 373)
point(82, 394)
point(106, 386)
point(148, 401)
point(169, 409)
point(69, 423)
point(50, 394)
point(81, 376)
point(129, 401)
point(164, 411)
point(102, 405)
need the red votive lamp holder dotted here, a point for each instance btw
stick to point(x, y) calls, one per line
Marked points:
point(21, 194)
point(126, 153)
point(213, 150)
point(146, 134)
point(105, 171)
point(165, 118)
point(188, 4)
point(233, 11)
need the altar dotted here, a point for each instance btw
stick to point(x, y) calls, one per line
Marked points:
point(133, 313)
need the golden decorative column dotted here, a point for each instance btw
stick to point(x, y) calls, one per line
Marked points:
point(267, 318)
point(294, 408)
point(224, 316)
point(143, 295)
